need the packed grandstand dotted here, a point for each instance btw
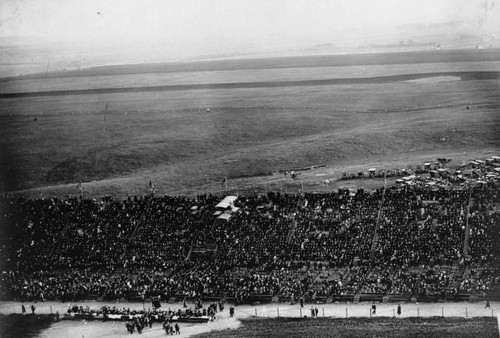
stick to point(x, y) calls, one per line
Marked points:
point(417, 240)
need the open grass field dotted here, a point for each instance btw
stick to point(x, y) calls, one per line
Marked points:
point(308, 61)
point(342, 116)
point(362, 327)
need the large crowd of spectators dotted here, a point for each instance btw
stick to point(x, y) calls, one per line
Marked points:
point(415, 239)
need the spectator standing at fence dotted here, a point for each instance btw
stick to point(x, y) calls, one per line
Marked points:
point(33, 309)
point(399, 309)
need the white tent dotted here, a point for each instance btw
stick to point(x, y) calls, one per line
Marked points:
point(224, 216)
point(227, 202)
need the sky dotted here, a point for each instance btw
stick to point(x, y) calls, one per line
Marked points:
point(95, 32)
point(171, 21)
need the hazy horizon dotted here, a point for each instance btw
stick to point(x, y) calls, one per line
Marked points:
point(59, 34)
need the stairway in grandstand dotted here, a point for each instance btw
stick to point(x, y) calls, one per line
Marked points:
point(294, 221)
point(467, 226)
point(459, 274)
point(375, 233)
point(67, 224)
point(188, 256)
point(138, 224)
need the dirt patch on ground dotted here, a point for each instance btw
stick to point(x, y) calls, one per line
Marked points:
point(435, 79)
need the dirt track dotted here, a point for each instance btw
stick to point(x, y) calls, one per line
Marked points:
point(110, 329)
point(464, 76)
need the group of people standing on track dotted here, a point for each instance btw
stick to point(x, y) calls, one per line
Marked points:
point(139, 323)
point(171, 328)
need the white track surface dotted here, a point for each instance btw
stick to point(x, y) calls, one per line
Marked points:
point(94, 329)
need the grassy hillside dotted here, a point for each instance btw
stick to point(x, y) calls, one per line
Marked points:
point(309, 61)
point(138, 79)
point(51, 143)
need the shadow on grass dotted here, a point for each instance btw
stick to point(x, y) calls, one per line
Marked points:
point(17, 325)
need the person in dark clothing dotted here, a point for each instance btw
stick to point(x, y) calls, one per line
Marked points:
point(33, 309)
point(399, 309)
point(374, 309)
point(301, 302)
point(139, 327)
point(166, 327)
point(131, 327)
point(231, 311)
point(316, 312)
point(177, 329)
point(312, 312)
point(23, 309)
point(487, 304)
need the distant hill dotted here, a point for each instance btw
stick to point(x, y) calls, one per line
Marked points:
point(412, 57)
